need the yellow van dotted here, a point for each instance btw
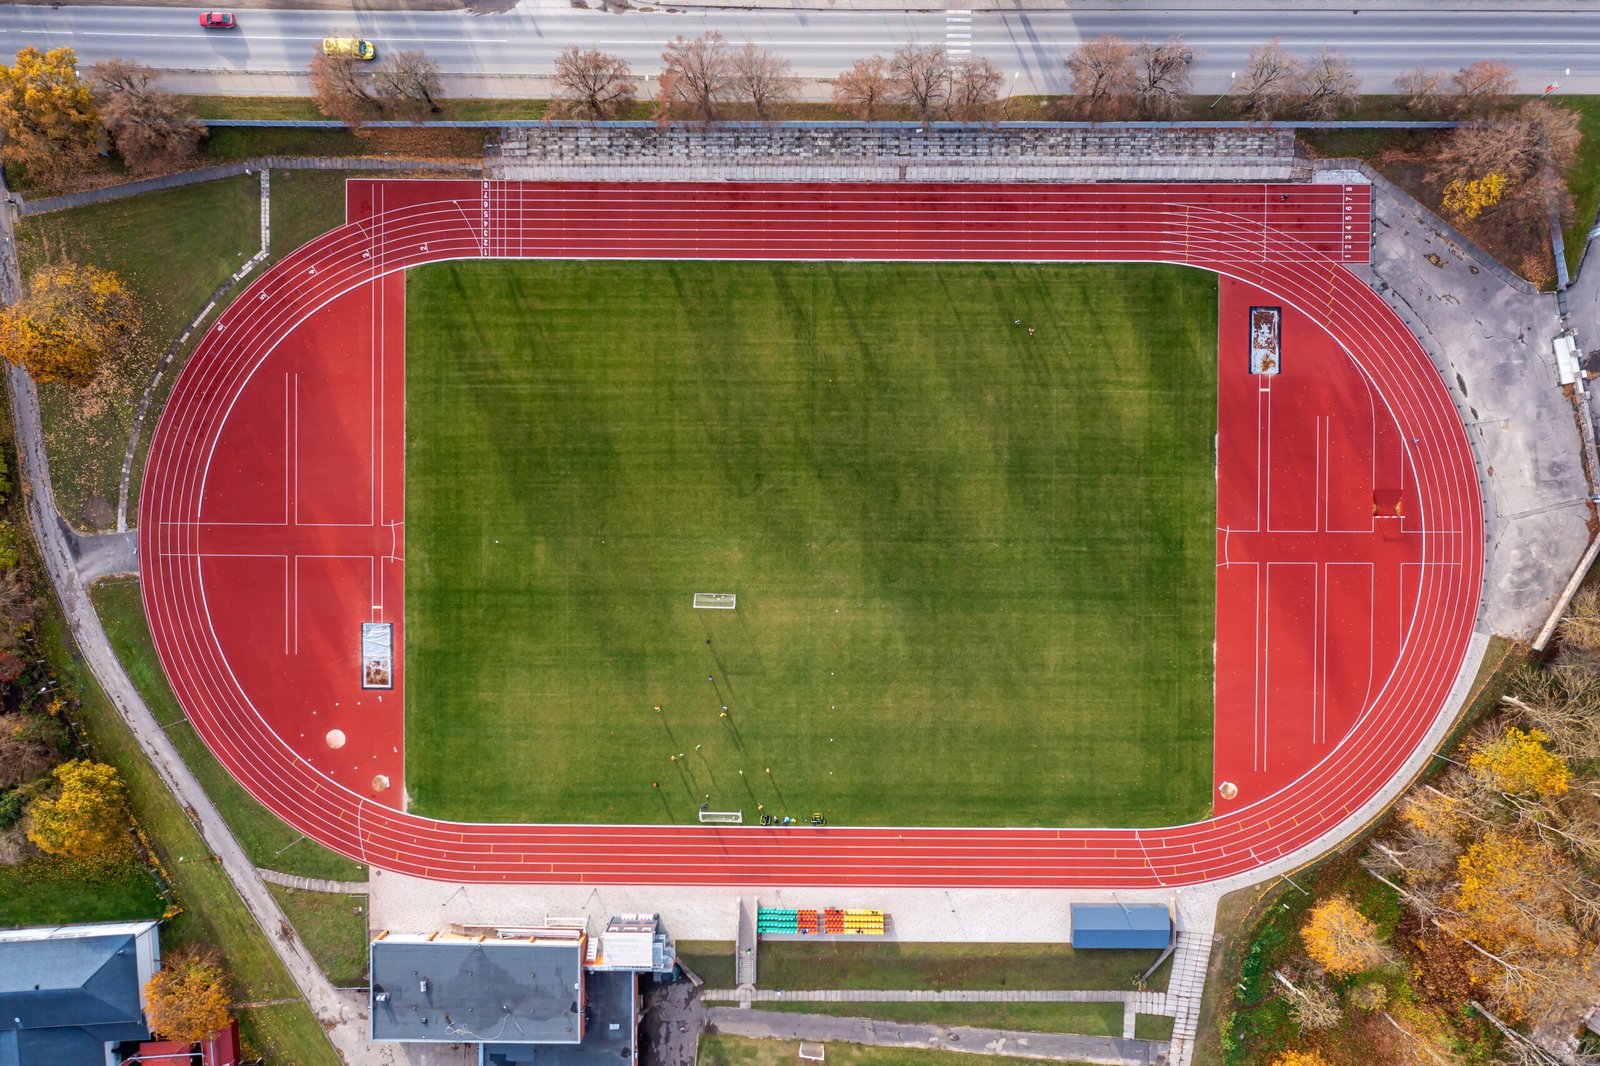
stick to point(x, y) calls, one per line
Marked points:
point(353, 47)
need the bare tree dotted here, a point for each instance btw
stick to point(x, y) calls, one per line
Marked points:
point(151, 130)
point(975, 90)
point(408, 83)
point(592, 84)
point(864, 89)
point(1271, 81)
point(763, 78)
point(343, 90)
point(1104, 76)
point(1537, 141)
point(696, 76)
point(1329, 86)
point(1423, 89)
point(1161, 89)
point(1483, 86)
point(922, 74)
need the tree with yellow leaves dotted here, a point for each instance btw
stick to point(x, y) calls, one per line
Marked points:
point(71, 320)
point(88, 819)
point(1341, 939)
point(1518, 762)
point(188, 996)
point(48, 121)
point(1511, 891)
point(1300, 1058)
point(1469, 199)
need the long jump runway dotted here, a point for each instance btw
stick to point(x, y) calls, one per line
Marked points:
point(1349, 526)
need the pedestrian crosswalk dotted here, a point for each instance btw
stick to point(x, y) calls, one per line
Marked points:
point(958, 32)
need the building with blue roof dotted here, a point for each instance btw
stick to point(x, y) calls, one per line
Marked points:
point(1143, 926)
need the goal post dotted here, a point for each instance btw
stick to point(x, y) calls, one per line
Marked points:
point(726, 817)
point(715, 601)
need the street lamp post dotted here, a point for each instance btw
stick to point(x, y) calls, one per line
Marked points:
point(1232, 76)
point(1005, 108)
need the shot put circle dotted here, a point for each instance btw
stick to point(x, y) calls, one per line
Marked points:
point(335, 739)
point(1228, 789)
point(380, 782)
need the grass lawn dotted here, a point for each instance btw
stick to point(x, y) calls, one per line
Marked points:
point(268, 841)
point(974, 566)
point(1086, 1019)
point(1152, 1027)
point(334, 928)
point(1584, 179)
point(711, 960)
point(837, 964)
point(210, 229)
point(717, 1049)
point(52, 891)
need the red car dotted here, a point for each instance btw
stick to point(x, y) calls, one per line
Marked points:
point(217, 20)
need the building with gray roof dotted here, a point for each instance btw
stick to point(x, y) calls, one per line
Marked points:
point(70, 994)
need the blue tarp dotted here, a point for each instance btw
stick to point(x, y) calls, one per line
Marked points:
point(1141, 926)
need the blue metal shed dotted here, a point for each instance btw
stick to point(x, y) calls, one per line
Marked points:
point(1100, 925)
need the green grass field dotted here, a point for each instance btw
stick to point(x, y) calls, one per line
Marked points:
point(974, 565)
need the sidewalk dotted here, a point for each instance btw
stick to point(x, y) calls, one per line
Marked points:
point(1065, 1047)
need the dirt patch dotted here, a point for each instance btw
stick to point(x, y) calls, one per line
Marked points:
point(98, 513)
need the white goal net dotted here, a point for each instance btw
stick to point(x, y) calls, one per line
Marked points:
point(715, 601)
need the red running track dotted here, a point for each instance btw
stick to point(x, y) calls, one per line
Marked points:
point(1286, 241)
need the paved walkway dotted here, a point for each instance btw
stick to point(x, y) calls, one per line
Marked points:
point(346, 1024)
point(230, 170)
point(312, 884)
point(774, 1025)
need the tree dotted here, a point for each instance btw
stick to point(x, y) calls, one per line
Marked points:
point(1509, 891)
point(188, 996)
point(1421, 86)
point(408, 84)
point(1483, 86)
point(1533, 147)
point(1563, 703)
point(1271, 80)
point(1341, 939)
point(1315, 1006)
point(696, 76)
point(1104, 76)
point(864, 89)
point(48, 121)
point(592, 84)
point(24, 753)
point(1299, 1058)
point(1518, 762)
point(89, 816)
point(151, 130)
point(1162, 86)
point(1329, 85)
point(921, 74)
point(70, 321)
point(763, 78)
point(975, 90)
point(344, 90)
point(1469, 199)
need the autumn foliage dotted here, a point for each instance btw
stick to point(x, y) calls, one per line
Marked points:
point(1300, 1058)
point(188, 996)
point(1469, 199)
point(87, 819)
point(71, 320)
point(1340, 938)
point(49, 124)
point(1519, 762)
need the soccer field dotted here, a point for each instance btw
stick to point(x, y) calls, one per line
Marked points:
point(974, 565)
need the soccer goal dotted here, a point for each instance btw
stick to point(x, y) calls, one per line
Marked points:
point(727, 817)
point(813, 1052)
point(715, 601)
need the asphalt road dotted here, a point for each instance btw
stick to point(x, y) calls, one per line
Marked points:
point(1545, 47)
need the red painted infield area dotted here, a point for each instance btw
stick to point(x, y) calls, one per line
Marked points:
point(270, 519)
